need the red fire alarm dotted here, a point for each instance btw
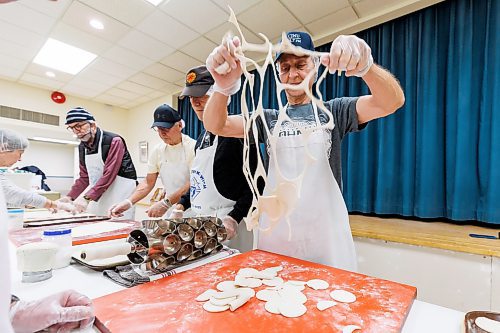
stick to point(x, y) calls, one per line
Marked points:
point(58, 97)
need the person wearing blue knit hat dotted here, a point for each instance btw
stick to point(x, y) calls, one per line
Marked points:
point(105, 165)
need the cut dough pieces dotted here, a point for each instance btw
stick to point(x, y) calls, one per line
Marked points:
point(317, 284)
point(488, 325)
point(214, 308)
point(222, 301)
point(266, 294)
point(226, 285)
point(291, 309)
point(277, 281)
point(205, 296)
point(323, 305)
point(350, 328)
point(343, 296)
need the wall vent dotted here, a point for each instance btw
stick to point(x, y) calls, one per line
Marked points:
point(26, 115)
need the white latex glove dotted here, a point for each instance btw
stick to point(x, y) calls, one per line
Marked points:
point(67, 206)
point(80, 205)
point(228, 77)
point(65, 199)
point(59, 312)
point(158, 209)
point(231, 227)
point(118, 209)
point(349, 53)
point(176, 214)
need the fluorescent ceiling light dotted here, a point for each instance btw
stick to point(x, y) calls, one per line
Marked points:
point(96, 24)
point(66, 142)
point(50, 74)
point(63, 57)
point(154, 2)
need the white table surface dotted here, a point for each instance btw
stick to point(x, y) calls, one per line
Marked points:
point(423, 317)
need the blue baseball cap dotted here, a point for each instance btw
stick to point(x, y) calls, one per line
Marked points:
point(165, 116)
point(298, 38)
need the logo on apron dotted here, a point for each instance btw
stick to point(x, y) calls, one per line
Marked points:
point(197, 183)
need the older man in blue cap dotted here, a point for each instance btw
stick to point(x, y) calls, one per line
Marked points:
point(320, 223)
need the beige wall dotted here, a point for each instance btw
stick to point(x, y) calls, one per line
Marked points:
point(133, 125)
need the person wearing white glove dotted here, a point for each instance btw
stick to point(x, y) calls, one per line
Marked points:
point(326, 213)
point(61, 312)
point(170, 160)
point(81, 203)
point(218, 185)
point(12, 146)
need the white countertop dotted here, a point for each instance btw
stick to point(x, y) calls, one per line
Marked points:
point(423, 317)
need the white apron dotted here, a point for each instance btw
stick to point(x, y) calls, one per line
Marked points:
point(5, 326)
point(174, 175)
point(207, 201)
point(121, 188)
point(320, 230)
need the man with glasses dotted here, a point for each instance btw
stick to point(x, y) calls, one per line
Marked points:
point(105, 166)
point(171, 160)
point(319, 219)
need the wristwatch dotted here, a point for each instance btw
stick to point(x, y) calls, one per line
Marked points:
point(87, 198)
point(167, 202)
point(14, 299)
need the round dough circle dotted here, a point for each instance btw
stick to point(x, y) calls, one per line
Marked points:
point(291, 309)
point(266, 294)
point(272, 306)
point(226, 285)
point(343, 296)
point(323, 305)
point(205, 296)
point(317, 284)
point(214, 308)
point(277, 281)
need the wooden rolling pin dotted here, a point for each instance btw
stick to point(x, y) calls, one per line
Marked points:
point(108, 251)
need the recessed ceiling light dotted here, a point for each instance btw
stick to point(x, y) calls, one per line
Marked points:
point(96, 24)
point(154, 2)
point(63, 57)
point(50, 74)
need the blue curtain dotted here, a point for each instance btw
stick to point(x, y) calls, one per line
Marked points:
point(438, 156)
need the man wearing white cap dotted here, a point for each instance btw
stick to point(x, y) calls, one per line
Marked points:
point(171, 160)
point(105, 166)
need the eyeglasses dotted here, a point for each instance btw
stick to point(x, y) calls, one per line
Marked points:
point(77, 127)
point(161, 129)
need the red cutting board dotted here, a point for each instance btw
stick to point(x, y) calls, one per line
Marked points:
point(34, 234)
point(168, 305)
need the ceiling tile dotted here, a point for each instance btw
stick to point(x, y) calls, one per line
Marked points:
point(110, 99)
point(218, 33)
point(148, 80)
point(263, 17)
point(205, 17)
point(128, 58)
point(167, 29)
point(236, 5)
point(164, 72)
point(130, 12)
point(77, 90)
point(199, 48)
point(42, 81)
point(332, 22)
point(10, 73)
point(20, 36)
point(79, 15)
point(122, 93)
point(40, 70)
point(180, 61)
point(135, 87)
point(156, 94)
point(110, 67)
point(365, 8)
point(97, 87)
point(150, 47)
point(12, 62)
point(79, 38)
point(311, 10)
point(19, 51)
point(51, 8)
point(19, 15)
point(95, 75)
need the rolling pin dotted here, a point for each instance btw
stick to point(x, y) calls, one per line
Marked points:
point(108, 251)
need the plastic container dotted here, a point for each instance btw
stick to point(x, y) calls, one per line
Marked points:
point(16, 219)
point(63, 238)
